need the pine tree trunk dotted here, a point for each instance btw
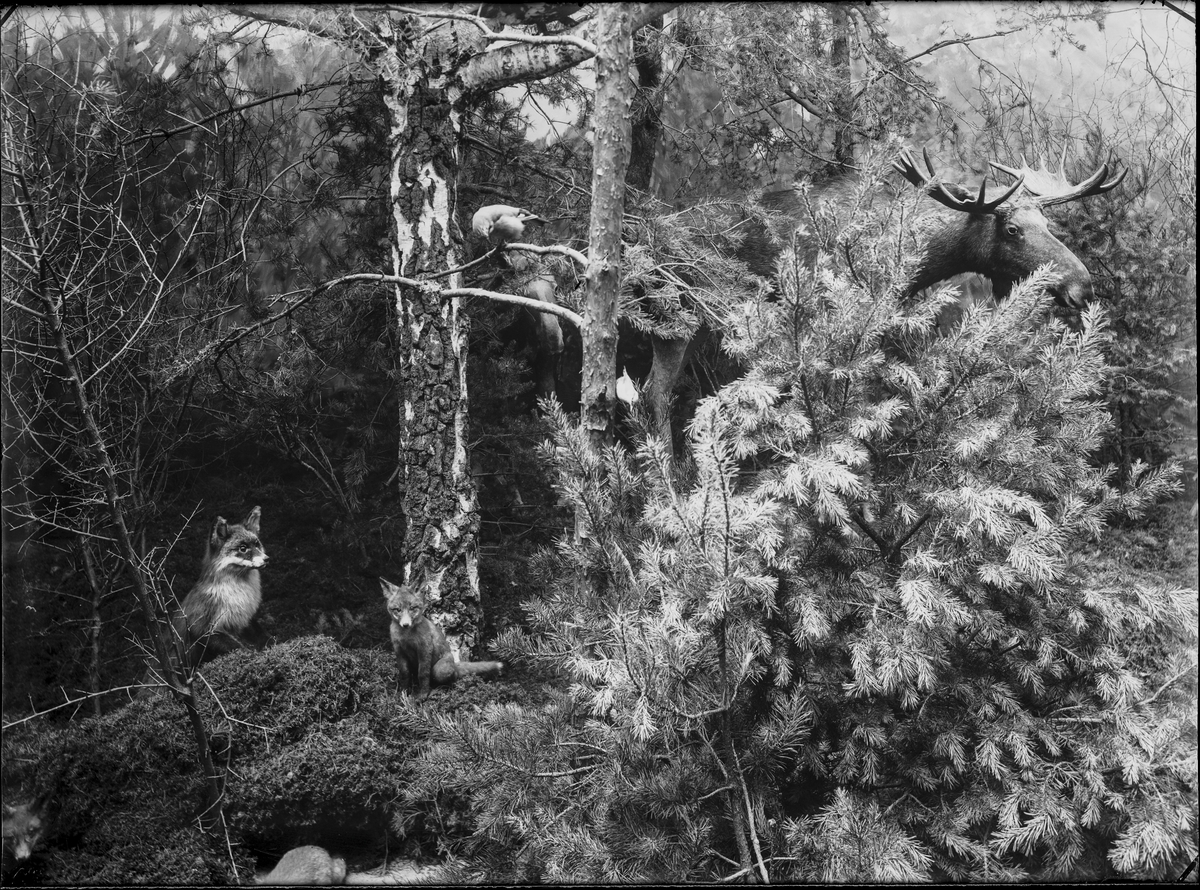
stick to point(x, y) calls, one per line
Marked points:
point(843, 135)
point(436, 488)
point(614, 95)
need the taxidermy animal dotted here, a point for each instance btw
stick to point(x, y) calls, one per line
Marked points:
point(24, 825)
point(307, 866)
point(500, 223)
point(423, 657)
point(218, 614)
point(1005, 237)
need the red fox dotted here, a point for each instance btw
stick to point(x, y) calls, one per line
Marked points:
point(307, 865)
point(423, 656)
point(24, 825)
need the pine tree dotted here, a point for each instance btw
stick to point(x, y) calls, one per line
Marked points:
point(853, 638)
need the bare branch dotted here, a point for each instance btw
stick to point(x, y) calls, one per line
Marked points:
point(288, 15)
point(519, 63)
point(1171, 6)
point(233, 337)
point(566, 37)
point(942, 44)
point(550, 248)
point(191, 125)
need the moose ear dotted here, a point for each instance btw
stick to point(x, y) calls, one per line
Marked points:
point(252, 518)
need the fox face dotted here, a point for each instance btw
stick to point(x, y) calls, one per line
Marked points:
point(235, 547)
point(23, 829)
point(405, 604)
point(226, 598)
point(423, 655)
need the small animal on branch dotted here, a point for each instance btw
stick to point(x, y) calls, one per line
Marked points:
point(423, 656)
point(218, 614)
point(307, 866)
point(501, 223)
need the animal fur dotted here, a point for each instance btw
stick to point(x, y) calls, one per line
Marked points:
point(24, 826)
point(307, 866)
point(218, 614)
point(423, 656)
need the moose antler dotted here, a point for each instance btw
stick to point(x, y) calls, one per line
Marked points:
point(1048, 187)
point(938, 190)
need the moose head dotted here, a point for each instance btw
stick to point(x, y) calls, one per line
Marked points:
point(1004, 238)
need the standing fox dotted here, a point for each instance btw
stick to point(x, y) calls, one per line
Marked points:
point(423, 656)
point(220, 609)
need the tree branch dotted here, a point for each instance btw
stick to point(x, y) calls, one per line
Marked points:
point(565, 38)
point(550, 248)
point(299, 91)
point(1171, 6)
point(230, 339)
point(519, 63)
point(288, 15)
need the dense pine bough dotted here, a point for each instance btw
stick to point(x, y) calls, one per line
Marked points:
point(853, 639)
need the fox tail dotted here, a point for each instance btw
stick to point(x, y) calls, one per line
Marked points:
point(479, 668)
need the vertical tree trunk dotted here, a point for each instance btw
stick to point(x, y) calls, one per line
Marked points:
point(614, 95)
point(670, 356)
point(843, 136)
point(647, 117)
point(96, 626)
point(437, 491)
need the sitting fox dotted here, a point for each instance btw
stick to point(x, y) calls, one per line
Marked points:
point(218, 614)
point(307, 865)
point(423, 657)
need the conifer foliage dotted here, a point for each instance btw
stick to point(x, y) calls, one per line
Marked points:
point(852, 639)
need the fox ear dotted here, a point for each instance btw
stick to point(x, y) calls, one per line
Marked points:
point(251, 520)
point(220, 531)
point(388, 586)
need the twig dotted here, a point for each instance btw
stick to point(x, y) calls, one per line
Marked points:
point(505, 33)
point(77, 701)
point(191, 125)
point(551, 248)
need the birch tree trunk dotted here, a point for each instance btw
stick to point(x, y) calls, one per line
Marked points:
point(429, 76)
point(436, 488)
point(610, 162)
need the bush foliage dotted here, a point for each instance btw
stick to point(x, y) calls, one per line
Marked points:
point(854, 639)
